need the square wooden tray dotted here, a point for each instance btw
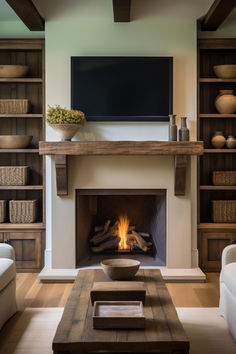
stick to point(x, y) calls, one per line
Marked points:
point(118, 314)
point(118, 291)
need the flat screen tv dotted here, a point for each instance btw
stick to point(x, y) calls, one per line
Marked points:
point(122, 88)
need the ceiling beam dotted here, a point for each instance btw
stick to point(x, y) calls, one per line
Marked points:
point(217, 13)
point(121, 10)
point(28, 14)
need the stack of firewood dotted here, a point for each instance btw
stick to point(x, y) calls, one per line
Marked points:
point(106, 238)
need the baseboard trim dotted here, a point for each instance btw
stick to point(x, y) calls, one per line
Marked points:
point(169, 274)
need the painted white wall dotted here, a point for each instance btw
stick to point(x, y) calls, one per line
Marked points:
point(86, 27)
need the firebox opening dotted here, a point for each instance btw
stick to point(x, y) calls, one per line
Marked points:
point(121, 223)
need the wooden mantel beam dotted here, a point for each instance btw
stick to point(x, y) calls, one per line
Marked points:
point(217, 13)
point(179, 149)
point(28, 14)
point(121, 10)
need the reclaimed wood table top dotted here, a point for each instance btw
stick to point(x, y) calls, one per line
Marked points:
point(163, 332)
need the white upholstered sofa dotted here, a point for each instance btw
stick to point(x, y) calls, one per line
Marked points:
point(7, 283)
point(228, 288)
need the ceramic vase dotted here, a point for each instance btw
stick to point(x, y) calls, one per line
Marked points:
point(218, 140)
point(172, 128)
point(231, 142)
point(225, 102)
point(66, 131)
point(183, 131)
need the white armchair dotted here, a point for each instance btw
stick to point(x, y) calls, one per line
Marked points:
point(7, 283)
point(228, 288)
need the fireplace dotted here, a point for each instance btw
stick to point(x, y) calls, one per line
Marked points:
point(102, 215)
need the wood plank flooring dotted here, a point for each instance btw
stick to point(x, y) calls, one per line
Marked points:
point(32, 293)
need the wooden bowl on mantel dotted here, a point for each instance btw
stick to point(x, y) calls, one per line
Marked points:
point(120, 268)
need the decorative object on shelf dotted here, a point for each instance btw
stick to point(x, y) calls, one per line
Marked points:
point(15, 141)
point(183, 130)
point(3, 205)
point(23, 211)
point(224, 211)
point(172, 128)
point(14, 106)
point(64, 121)
point(13, 71)
point(218, 140)
point(13, 175)
point(225, 102)
point(224, 178)
point(120, 268)
point(225, 71)
point(231, 142)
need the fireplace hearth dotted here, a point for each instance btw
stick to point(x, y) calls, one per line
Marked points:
point(121, 223)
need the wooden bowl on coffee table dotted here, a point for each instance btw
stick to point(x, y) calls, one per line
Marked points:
point(121, 268)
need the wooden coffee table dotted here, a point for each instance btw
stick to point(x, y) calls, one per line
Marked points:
point(163, 333)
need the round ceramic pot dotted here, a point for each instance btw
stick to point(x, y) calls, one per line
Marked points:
point(218, 140)
point(66, 131)
point(225, 102)
point(231, 142)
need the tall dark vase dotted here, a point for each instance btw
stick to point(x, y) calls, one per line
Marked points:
point(172, 128)
point(183, 131)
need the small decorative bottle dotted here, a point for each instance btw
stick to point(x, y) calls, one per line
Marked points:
point(172, 128)
point(218, 140)
point(231, 142)
point(183, 131)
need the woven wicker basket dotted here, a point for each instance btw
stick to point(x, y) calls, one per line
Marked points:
point(3, 205)
point(224, 211)
point(23, 211)
point(8, 106)
point(13, 175)
point(224, 178)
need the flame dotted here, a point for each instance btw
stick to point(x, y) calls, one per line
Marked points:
point(123, 227)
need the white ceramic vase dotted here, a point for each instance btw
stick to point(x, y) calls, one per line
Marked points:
point(66, 131)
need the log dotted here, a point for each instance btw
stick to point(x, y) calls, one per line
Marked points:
point(141, 243)
point(144, 234)
point(104, 231)
point(109, 244)
point(98, 228)
point(100, 238)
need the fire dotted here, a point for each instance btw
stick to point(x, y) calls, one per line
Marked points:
point(123, 227)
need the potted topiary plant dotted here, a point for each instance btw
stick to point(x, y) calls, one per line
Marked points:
point(64, 121)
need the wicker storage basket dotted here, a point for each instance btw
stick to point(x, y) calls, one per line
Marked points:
point(22, 211)
point(224, 211)
point(3, 205)
point(224, 178)
point(8, 106)
point(13, 175)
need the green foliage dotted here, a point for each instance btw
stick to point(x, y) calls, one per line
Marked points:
point(59, 115)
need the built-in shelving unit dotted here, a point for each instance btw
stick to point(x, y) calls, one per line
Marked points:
point(27, 239)
point(213, 237)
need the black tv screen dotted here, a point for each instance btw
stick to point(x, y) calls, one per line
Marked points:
point(122, 88)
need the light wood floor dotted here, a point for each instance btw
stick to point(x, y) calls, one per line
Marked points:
point(32, 293)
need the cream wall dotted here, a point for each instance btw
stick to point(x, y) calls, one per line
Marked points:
point(86, 27)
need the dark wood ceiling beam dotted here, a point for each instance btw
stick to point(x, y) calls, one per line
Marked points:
point(121, 10)
point(217, 13)
point(28, 14)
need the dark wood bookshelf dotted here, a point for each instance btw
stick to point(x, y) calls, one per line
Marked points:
point(27, 239)
point(213, 237)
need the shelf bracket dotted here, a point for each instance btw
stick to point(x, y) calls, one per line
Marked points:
point(180, 174)
point(61, 164)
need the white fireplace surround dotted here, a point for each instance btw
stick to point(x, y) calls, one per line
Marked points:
point(120, 172)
